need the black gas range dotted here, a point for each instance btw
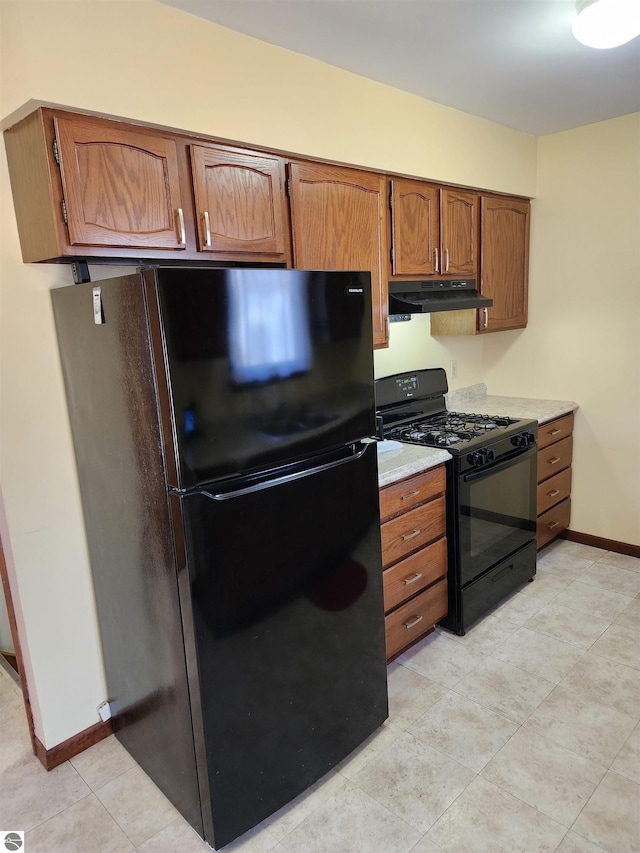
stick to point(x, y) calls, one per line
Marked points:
point(491, 488)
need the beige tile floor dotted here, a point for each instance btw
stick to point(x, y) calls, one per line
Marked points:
point(524, 735)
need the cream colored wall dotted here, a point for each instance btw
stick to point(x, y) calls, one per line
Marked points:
point(583, 338)
point(582, 342)
point(147, 61)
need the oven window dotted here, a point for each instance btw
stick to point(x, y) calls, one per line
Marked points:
point(497, 513)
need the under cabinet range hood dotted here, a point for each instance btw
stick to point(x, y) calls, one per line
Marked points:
point(422, 297)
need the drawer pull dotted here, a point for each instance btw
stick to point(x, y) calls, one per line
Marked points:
point(407, 536)
point(553, 493)
point(553, 524)
point(413, 622)
point(554, 460)
point(410, 495)
point(413, 578)
point(554, 431)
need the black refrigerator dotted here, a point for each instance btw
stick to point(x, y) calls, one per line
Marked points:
point(221, 421)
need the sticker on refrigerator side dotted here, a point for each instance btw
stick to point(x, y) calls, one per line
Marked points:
point(98, 314)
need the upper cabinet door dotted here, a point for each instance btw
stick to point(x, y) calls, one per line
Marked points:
point(338, 222)
point(415, 228)
point(121, 186)
point(240, 202)
point(504, 263)
point(460, 232)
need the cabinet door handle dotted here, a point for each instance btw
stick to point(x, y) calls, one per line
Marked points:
point(182, 237)
point(553, 524)
point(554, 431)
point(486, 318)
point(446, 260)
point(554, 460)
point(207, 229)
point(435, 252)
point(413, 621)
point(413, 578)
point(407, 536)
point(553, 493)
point(410, 495)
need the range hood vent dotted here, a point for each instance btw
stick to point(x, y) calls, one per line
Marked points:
point(422, 297)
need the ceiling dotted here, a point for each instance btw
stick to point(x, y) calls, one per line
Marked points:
point(514, 62)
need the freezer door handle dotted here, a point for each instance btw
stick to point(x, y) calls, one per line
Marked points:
point(276, 481)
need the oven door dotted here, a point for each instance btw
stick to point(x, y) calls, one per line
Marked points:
point(497, 512)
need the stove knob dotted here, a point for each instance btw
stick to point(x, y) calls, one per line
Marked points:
point(480, 457)
point(531, 439)
point(519, 440)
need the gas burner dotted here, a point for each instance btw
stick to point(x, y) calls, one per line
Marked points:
point(441, 437)
point(489, 421)
point(414, 435)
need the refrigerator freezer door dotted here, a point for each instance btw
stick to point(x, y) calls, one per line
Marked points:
point(264, 366)
point(286, 589)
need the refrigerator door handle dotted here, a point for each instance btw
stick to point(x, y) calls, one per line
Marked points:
point(275, 481)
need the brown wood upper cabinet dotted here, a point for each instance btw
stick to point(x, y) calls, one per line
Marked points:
point(90, 187)
point(120, 186)
point(338, 223)
point(460, 232)
point(415, 227)
point(504, 271)
point(434, 230)
point(240, 202)
point(504, 263)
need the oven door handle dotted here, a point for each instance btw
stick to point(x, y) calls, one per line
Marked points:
point(496, 467)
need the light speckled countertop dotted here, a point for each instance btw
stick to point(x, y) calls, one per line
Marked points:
point(397, 461)
point(475, 399)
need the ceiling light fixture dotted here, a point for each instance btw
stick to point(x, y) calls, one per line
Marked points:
point(606, 23)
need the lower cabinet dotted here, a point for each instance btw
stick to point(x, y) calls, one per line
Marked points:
point(414, 557)
point(555, 449)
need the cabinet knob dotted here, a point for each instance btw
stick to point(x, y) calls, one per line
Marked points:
point(412, 622)
point(553, 493)
point(554, 460)
point(413, 578)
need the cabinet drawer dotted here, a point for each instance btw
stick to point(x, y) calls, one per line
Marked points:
point(414, 618)
point(401, 496)
point(412, 530)
point(554, 458)
point(554, 490)
point(552, 522)
point(414, 573)
point(555, 430)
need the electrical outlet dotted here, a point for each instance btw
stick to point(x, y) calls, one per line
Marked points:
point(454, 368)
point(104, 710)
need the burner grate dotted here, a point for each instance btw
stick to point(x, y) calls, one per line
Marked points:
point(448, 428)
